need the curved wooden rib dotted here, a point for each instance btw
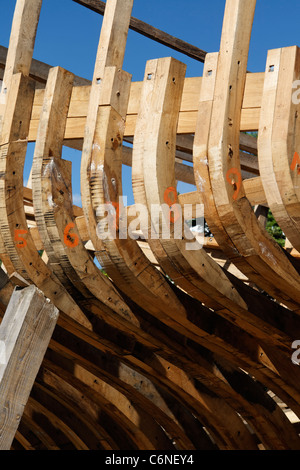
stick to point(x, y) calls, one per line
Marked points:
point(73, 394)
point(152, 157)
point(23, 254)
point(105, 140)
point(233, 207)
point(136, 273)
point(88, 370)
point(278, 140)
point(52, 197)
point(38, 431)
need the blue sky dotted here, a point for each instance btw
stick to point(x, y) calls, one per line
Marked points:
point(68, 36)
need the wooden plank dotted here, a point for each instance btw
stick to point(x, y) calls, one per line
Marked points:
point(188, 109)
point(153, 33)
point(186, 125)
point(191, 90)
point(285, 140)
point(137, 272)
point(25, 333)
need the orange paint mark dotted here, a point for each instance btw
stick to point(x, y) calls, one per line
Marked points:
point(172, 203)
point(70, 239)
point(236, 184)
point(296, 163)
point(21, 241)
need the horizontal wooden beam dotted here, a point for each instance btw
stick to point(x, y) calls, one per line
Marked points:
point(152, 33)
point(187, 117)
point(25, 332)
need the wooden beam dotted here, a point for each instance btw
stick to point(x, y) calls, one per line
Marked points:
point(78, 110)
point(152, 33)
point(25, 332)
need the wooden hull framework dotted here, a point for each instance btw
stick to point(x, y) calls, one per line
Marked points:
point(172, 349)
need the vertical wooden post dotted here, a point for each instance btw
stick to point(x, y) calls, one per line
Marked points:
point(21, 43)
point(25, 333)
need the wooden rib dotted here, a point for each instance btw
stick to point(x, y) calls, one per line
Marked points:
point(95, 404)
point(47, 152)
point(56, 421)
point(38, 431)
point(205, 289)
point(19, 55)
point(52, 195)
point(69, 397)
point(138, 178)
point(287, 142)
point(106, 187)
point(134, 394)
point(107, 138)
point(237, 216)
point(253, 187)
point(110, 53)
point(140, 417)
point(14, 143)
point(284, 199)
point(111, 50)
point(13, 150)
point(273, 119)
